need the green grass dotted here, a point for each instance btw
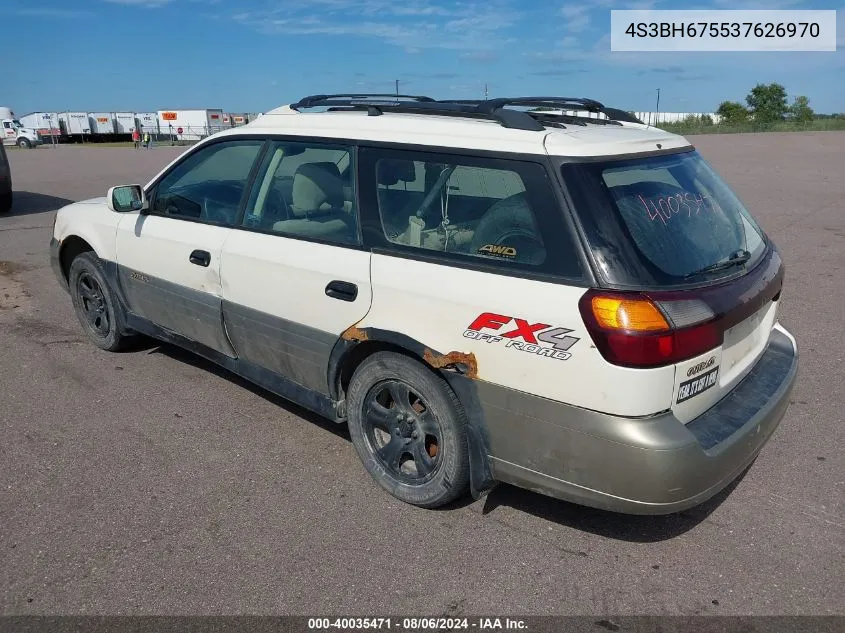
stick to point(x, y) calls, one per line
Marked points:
point(817, 125)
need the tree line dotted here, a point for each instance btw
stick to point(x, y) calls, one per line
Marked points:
point(767, 103)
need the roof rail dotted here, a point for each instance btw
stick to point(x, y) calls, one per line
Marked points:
point(412, 104)
point(490, 109)
point(315, 101)
point(566, 103)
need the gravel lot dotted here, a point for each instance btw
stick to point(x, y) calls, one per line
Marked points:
point(152, 483)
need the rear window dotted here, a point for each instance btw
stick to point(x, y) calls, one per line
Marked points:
point(663, 221)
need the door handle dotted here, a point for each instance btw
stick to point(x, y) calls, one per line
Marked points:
point(342, 290)
point(200, 258)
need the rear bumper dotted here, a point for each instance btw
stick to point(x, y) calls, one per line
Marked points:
point(655, 465)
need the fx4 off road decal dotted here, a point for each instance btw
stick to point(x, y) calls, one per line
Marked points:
point(692, 388)
point(540, 339)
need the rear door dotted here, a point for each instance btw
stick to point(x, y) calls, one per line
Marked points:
point(295, 276)
point(169, 260)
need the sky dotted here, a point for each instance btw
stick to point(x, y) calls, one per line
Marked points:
point(254, 55)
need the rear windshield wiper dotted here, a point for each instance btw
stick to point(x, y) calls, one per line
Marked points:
point(736, 259)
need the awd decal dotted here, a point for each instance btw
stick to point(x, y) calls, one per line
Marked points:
point(498, 251)
point(139, 277)
point(692, 388)
point(540, 339)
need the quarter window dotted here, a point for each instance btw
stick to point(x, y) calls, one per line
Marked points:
point(305, 190)
point(460, 207)
point(209, 184)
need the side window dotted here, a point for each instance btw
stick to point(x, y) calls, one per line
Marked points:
point(305, 190)
point(209, 184)
point(468, 207)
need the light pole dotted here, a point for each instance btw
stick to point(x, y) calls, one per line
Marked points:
point(657, 114)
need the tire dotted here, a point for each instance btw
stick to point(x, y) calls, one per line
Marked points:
point(510, 222)
point(24, 143)
point(425, 462)
point(95, 304)
point(6, 203)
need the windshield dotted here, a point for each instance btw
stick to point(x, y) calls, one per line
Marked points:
point(16, 123)
point(663, 221)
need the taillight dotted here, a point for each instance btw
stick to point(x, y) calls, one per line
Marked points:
point(632, 330)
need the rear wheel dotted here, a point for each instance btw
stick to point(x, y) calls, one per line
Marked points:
point(96, 307)
point(6, 202)
point(409, 430)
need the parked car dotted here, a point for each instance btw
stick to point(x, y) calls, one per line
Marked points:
point(5, 182)
point(577, 306)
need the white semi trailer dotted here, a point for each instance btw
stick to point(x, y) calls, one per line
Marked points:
point(124, 123)
point(102, 123)
point(190, 125)
point(147, 122)
point(75, 126)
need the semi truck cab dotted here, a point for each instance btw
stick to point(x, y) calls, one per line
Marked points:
point(14, 133)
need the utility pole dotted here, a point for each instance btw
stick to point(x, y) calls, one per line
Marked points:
point(485, 91)
point(397, 86)
point(657, 114)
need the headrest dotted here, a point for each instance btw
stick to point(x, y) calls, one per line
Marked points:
point(390, 172)
point(316, 187)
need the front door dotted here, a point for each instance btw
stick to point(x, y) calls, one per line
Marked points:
point(169, 259)
point(297, 277)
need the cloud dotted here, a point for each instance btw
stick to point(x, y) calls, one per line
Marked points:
point(473, 26)
point(51, 12)
point(143, 4)
point(433, 75)
point(771, 5)
point(480, 56)
point(558, 72)
point(576, 18)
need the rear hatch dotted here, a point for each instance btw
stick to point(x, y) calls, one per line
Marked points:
point(688, 277)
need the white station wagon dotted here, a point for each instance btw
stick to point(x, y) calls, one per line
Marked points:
point(484, 291)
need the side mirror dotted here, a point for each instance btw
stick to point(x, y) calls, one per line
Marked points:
point(127, 198)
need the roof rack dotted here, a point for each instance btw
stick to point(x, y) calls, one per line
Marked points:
point(614, 115)
point(376, 104)
point(315, 101)
point(492, 109)
point(567, 103)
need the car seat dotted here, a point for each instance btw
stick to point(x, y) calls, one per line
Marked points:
point(317, 205)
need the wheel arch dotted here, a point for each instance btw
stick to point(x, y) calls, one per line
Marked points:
point(458, 369)
point(71, 247)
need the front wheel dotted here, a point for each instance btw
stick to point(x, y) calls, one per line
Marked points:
point(95, 304)
point(24, 143)
point(409, 429)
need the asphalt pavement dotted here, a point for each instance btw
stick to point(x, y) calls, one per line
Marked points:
point(151, 482)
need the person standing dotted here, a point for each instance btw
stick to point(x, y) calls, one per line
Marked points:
point(136, 138)
point(148, 142)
